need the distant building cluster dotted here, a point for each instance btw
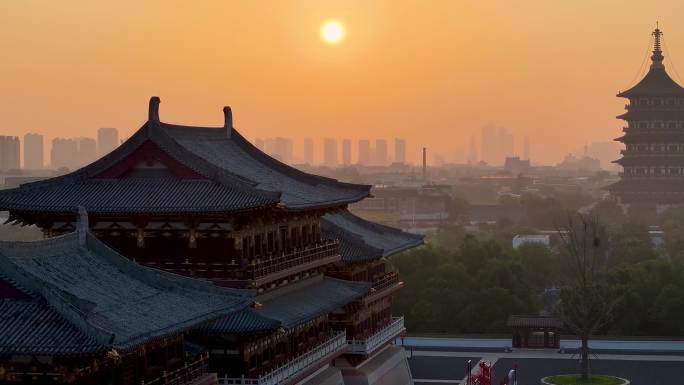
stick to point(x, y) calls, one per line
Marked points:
point(70, 153)
point(497, 144)
point(335, 153)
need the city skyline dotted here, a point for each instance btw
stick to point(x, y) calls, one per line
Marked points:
point(554, 86)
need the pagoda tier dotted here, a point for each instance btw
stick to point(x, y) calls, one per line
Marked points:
point(653, 158)
point(674, 138)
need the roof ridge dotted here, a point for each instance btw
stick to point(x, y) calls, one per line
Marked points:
point(203, 166)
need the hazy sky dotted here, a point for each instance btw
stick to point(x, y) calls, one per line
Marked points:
point(433, 72)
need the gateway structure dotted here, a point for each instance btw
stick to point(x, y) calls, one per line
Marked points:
point(203, 203)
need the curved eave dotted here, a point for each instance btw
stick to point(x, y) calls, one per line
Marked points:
point(650, 160)
point(298, 190)
point(656, 82)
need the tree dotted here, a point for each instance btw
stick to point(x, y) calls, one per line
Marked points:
point(586, 304)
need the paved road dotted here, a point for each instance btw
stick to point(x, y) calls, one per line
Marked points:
point(530, 371)
point(439, 368)
point(443, 367)
point(497, 344)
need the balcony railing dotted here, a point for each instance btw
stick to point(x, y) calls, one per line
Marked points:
point(185, 375)
point(376, 340)
point(389, 283)
point(260, 270)
point(335, 344)
point(321, 252)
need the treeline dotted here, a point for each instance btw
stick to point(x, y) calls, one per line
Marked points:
point(474, 286)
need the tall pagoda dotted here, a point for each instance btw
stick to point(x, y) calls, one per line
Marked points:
point(206, 205)
point(653, 158)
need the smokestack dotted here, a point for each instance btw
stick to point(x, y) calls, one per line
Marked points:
point(424, 164)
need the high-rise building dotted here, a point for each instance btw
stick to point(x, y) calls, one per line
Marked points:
point(652, 160)
point(506, 145)
point(330, 152)
point(472, 153)
point(346, 152)
point(399, 150)
point(107, 140)
point(33, 151)
point(64, 153)
point(496, 145)
point(282, 149)
point(381, 152)
point(9, 153)
point(308, 151)
point(364, 152)
point(489, 145)
point(87, 150)
point(526, 148)
point(260, 144)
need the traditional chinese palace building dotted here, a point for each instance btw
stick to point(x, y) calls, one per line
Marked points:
point(653, 158)
point(229, 266)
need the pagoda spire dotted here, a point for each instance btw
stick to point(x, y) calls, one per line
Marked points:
point(657, 56)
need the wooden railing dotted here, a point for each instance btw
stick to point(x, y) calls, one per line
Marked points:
point(387, 284)
point(297, 366)
point(388, 280)
point(258, 268)
point(184, 375)
point(379, 338)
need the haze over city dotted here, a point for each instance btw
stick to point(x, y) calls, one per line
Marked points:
point(431, 75)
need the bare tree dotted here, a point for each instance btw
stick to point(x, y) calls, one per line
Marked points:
point(586, 302)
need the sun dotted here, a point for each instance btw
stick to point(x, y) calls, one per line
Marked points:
point(333, 32)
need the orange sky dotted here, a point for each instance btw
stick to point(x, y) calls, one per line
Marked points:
point(432, 72)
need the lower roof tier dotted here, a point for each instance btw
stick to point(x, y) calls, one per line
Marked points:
point(31, 327)
point(109, 299)
point(362, 240)
point(292, 305)
point(649, 185)
point(647, 137)
point(641, 115)
point(648, 160)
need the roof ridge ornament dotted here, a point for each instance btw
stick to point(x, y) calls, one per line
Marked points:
point(657, 56)
point(153, 115)
point(228, 120)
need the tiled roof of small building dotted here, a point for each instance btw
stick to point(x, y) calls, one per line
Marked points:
point(361, 239)
point(110, 299)
point(305, 300)
point(534, 322)
point(203, 169)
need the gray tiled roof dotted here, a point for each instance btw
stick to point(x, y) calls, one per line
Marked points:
point(245, 321)
point(229, 174)
point(32, 327)
point(236, 155)
point(302, 301)
point(112, 300)
point(361, 239)
point(163, 195)
point(656, 82)
point(534, 322)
